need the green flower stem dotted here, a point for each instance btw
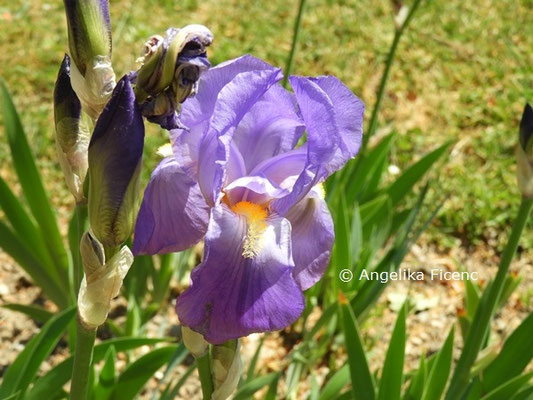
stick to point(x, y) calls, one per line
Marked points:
point(78, 274)
point(82, 361)
point(385, 77)
point(487, 306)
point(203, 364)
point(296, 34)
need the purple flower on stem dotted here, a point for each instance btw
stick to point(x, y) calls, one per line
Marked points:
point(238, 180)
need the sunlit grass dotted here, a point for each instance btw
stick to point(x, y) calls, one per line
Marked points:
point(463, 72)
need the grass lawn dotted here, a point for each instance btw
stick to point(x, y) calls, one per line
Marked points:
point(463, 72)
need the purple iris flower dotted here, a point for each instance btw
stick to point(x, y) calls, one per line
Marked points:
point(239, 180)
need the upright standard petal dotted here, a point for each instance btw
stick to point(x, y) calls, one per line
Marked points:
point(333, 118)
point(173, 214)
point(271, 127)
point(232, 296)
point(234, 101)
point(197, 111)
point(115, 157)
point(313, 235)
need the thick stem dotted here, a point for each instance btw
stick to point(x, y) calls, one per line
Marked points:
point(82, 361)
point(296, 34)
point(486, 308)
point(79, 231)
point(204, 371)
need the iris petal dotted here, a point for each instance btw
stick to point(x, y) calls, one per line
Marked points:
point(313, 235)
point(271, 127)
point(173, 214)
point(333, 118)
point(234, 101)
point(226, 93)
point(231, 296)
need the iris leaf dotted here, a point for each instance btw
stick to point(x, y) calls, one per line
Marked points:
point(362, 380)
point(336, 383)
point(32, 186)
point(404, 184)
point(438, 376)
point(38, 314)
point(247, 390)
point(22, 371)
point(20, 252)
point(392, 375)
point(50, 383)
point(508, 388)
point(135, 376)
point(514, 357)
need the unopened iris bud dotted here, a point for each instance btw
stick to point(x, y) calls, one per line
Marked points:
point(102, 281)
point(89, 34)
point(72, 133)
point(226, 369)
point(170, 70)
point(115, 158)
point(194, 342)
point(524, 153)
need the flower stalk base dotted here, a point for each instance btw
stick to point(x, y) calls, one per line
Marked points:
point(82, 361)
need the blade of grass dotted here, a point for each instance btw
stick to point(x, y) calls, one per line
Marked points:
point(295, 37)
point(385, 77)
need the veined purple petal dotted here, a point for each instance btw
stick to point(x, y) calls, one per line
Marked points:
point(255, 189)
point(173, 214)
point(333, 118)
point(115, 157)
point(201, 107)
point(271, 127)
point(313, 235)
point(197, 113)
point(287, 165)
point(231, 296)
point(234, 101)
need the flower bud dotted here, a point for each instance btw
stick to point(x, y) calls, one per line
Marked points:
point(194, 342)
point(115, 158)
point(102, 280)
point(72, 134)
point(89, 34)
point(170, 71)
point(226, 369)
point(524, 153)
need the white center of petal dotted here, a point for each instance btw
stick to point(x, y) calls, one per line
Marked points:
point(255, 215)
